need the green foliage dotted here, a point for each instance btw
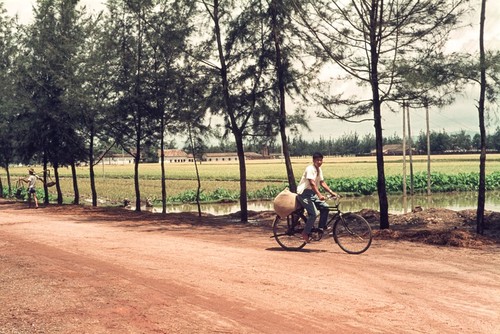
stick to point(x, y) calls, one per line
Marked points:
point(358, 185)
point(21, 193)
point(218, 195)
point(440, 182)
point(224, 195)
point(221, 194)
point(394, 184)
point(189, 197)
point(267, 193)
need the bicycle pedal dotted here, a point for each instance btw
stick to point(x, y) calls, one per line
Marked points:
point(316, 235)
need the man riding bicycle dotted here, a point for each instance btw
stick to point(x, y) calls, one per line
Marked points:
point(310, 196)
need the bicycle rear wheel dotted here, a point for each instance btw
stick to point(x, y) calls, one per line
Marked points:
point(288, 231)
point(352, 233)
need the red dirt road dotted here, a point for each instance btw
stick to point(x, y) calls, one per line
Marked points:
point(81, 270)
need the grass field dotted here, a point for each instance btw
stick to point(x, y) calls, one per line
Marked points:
point(115, 182)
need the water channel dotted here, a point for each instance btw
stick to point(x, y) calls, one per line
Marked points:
point(453, 201)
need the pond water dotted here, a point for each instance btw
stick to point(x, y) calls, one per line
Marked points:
point(453, 201)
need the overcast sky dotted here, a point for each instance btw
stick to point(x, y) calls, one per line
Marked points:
point(462, 115)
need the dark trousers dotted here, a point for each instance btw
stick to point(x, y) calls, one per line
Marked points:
point(311, 202)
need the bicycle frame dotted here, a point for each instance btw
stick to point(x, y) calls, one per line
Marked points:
point(331, 208)
point(350, 231)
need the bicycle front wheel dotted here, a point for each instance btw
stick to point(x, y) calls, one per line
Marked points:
point(288, 231)
point(352, 233)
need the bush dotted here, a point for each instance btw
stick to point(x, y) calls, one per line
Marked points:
point(394, 184)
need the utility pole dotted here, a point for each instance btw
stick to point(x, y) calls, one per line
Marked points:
point(428, 149)
point(404, 149)
point(411, 149)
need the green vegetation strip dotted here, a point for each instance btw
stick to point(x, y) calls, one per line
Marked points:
point(355, 186)
point(364, 186)
point(265, 179)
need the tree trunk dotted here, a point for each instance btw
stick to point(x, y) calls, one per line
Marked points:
point(9, 184)
point(76, 200)
point(198, 189)
point(231, 114)
point(137, 158)
point(243, 178)
point(138, 116)
point(281, 87)
point(482, 160)
point(382, 194)
point(162, 166)
point(9, 181)
point(91, 168)
point(58, 186)
point(377, 116)
point(45, 189)
point(288, 161)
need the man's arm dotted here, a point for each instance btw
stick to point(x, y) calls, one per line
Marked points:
point(315, 188)
point(325, 186)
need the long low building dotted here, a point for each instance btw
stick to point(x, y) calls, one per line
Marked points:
point(394, 149)
point(175, 156)
point(230, 156)
point(179, 156)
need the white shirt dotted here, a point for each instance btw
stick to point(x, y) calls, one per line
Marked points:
point(311, 173)
point(31, 181)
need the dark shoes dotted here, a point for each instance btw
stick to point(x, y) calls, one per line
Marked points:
point(316, 234)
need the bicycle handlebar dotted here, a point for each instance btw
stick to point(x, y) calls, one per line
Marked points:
point(335, 198)
point(330, 196)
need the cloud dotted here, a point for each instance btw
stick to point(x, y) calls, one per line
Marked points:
point(24, 8)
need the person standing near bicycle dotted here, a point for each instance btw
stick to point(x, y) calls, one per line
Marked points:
point(310, 196)
point(31, 180)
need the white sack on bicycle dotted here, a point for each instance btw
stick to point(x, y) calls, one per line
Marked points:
point(285, 203)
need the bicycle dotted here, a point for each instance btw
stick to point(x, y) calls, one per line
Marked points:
point(350, 231)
